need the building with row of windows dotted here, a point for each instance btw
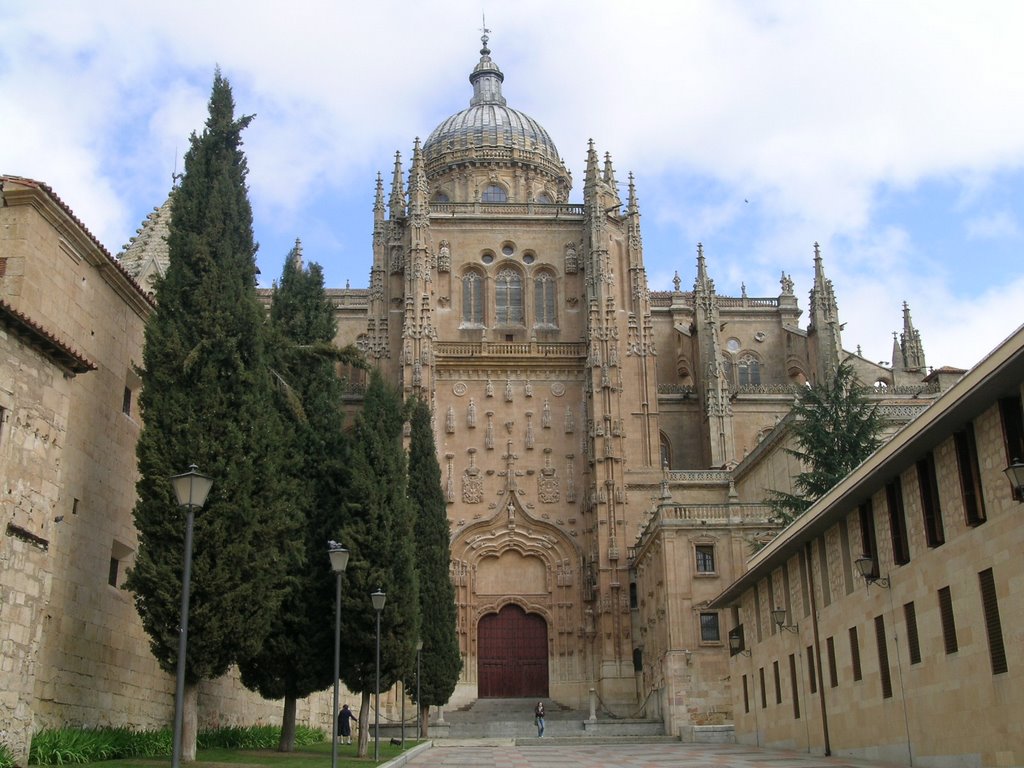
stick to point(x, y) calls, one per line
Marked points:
point(883, 623)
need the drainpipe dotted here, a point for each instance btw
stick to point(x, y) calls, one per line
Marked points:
point(817, 647)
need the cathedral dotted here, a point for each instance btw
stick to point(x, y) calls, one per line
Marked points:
point(605, 449)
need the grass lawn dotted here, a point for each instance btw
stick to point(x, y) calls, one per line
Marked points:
point(313, 756)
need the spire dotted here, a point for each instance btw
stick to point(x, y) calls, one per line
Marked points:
point(897, 355)
point(592, 173)
point(910, 342)
point(486, 77)
point(296, 255)
point(633, 204)
point(703, 283)
point(378, 199)
point(397, 203)
point(824, 322)
point(417, 179)
point(609, 177)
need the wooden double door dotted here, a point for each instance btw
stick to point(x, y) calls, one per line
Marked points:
point(512, 655)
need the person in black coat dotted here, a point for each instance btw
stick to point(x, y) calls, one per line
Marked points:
point(345, 718)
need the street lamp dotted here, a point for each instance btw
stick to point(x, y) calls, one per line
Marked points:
point(866, 568)
point(190, 491)
point(339, 561)
point(419, 705)
point(378, 599)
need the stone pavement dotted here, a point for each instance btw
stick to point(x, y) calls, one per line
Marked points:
point(662, 755)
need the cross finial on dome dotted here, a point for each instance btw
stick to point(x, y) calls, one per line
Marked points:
point(484, 37)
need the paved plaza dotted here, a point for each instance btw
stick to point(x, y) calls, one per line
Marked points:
point(664, 755)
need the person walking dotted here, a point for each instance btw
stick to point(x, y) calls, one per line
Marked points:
point(538, 718)
point(345, 718)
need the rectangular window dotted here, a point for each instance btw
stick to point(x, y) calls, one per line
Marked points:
point(1011, 413)
point(126, 402)
point(805, 594)
point(868, 542)
point(970, 476)
point(948, 621)
point(883, 658)
point(913, 640)
point(844, 550)
point(792, 683)
point(757, 611)
point(811, 676)
point(855, 653)
point(897, 522)
point(746, 696)
point(778, 682)
point(990, 605)
point(826, 588)
point(709, 628)
point(705, 554)
point(764, 695)
point(833, 673)
point(113, 572)
point(930, 508)
point(787, 600)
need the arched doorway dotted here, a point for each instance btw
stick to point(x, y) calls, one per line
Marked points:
point(512, 654)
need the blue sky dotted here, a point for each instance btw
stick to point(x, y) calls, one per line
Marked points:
point(890, 133)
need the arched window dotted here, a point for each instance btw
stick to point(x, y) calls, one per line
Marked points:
point(749, 370)
point(441, 197)
point(544, 290)
point(472, 299)
point(544, 198)
point(494, 194)
point(508, 298)
point(666, 452)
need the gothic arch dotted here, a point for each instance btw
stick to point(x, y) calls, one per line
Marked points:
point(514, 558)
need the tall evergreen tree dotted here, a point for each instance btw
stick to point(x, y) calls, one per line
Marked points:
point(379, 533)
point(296, 659)
point(440, 662)
point(208, 400)
point(836, 428)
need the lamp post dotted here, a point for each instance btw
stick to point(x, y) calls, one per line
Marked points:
point(190, 491)
point(419, 706)
point(339, 561)
point(378, 599)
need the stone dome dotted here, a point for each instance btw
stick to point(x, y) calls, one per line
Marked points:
point(490, 129)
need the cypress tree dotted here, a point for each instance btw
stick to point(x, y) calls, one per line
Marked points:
point(379, 533)
point(836, 428)
point(440, 662)
point(297, 657)
point(207, 400)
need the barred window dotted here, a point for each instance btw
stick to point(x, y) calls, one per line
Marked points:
point(705, 554)
point(709, 632)
point(508, 297)
point(544, 289)
point(749, 369)
point(494, 193)
point(472, 299)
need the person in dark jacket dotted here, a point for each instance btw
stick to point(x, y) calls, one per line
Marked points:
point(538, 717)
point(345, 718)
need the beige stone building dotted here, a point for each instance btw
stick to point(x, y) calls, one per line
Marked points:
point(72, 648)
point(918, 662)
point(604, 448)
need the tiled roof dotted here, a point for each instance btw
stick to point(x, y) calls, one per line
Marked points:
point(33, 334)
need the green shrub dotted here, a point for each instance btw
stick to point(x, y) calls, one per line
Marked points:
point(6, 756)
point(60, 746)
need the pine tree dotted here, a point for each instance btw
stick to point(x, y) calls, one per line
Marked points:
point(836, 427)
point(207, 399)
point(440, 662)
point(379, 532)
point(296, 659)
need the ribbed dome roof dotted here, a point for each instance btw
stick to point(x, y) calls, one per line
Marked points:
point(489, 121)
